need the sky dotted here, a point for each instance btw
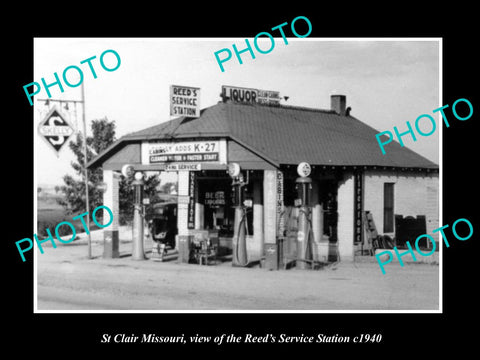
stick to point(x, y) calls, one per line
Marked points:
point(386, 82)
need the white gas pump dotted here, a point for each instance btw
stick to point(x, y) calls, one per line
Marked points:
point(304, 185)
point(239, 242)
point(137, 228)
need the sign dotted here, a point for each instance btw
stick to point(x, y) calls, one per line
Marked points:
point(215, 199)
point(358, 207)
point(190, 151)
point(184, 101)
point(191, 202)
point(269, 206)
point(268, 97)
point(55, 129)
point(280, 217)
point(128, 170)
point(233, 169)
point(304, 169)
point(180, 166)
point(251, 96)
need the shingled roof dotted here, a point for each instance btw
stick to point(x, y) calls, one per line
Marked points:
point(286, 135)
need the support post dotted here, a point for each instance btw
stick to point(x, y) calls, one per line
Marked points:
point(258, 216)
point(110, 199)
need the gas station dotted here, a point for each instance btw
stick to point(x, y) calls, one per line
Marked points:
point(271, 184)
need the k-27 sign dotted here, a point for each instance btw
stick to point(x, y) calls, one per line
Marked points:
point(55, 129)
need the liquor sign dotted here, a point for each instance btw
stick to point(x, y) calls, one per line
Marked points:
point(215, 199)
point(358, 208)
point(184, 101)
point(190, 151)
point(268, 97)
point(251, 96)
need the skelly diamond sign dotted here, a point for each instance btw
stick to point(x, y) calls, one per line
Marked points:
point(55, 129)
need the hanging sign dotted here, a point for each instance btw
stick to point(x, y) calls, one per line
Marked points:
point(184, 101)
point(55, 129)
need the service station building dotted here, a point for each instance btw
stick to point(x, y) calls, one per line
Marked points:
point(350, 177)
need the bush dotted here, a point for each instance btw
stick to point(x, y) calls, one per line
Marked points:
point(64, 231)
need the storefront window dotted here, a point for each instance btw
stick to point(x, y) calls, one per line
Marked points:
point(218, 198)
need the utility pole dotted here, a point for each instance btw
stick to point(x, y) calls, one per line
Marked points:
point(87, 203)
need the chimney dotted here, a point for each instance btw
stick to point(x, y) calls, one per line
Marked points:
point(338, 104)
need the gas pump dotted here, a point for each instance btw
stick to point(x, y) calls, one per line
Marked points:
point(137, 229)
point(304, 247)
point(239, 242)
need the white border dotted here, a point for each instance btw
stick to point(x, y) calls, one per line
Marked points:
point(440, 204)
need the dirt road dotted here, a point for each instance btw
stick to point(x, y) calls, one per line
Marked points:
point(67, 280)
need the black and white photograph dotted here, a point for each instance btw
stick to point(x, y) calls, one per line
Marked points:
point(272, 183)
point(262, 190)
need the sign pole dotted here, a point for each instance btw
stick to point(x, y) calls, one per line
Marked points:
point(87, 205)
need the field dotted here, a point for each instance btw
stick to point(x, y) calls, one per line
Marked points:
point(50, 213)
point(48, 210)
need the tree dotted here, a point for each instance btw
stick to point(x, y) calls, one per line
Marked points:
point(73, 199)
point(126, 196)
point(169, 187)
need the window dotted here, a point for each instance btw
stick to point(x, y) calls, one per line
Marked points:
point(218, 197)
point(388, 217)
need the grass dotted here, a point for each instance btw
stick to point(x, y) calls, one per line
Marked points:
point(50, 213)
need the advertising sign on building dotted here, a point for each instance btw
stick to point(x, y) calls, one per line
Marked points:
point(184, 101)
point(252, 96)
point(215, 199)
point(181, 167)
point(270, 206)
point(185, 152)
point(358, 207)
point(280, 207)
point(191, 202)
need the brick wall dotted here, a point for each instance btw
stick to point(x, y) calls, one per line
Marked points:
point(415, 193)
point(345, 197)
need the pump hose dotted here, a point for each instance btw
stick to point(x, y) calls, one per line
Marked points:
point(240, 223)
point(310, 233)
